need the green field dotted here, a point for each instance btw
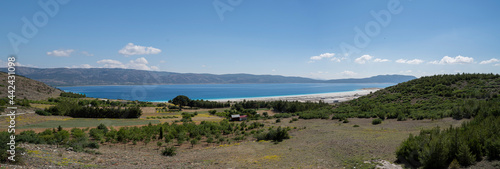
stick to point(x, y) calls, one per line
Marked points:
point(83, 122)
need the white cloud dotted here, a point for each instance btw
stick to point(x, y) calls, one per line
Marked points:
point(61, 53)
point(413, 62)
point(324, 55)
point(381, 60)
point(348, 73)
point(456, 60)
point(363, 59)
point(162, 61)
point(155, 68)
point(5, 64)
point(131, 49)
point(108, 63)
point(498, 64)
point(85, 66)
point(80, 66)
point(493, 60)
point(139, 63)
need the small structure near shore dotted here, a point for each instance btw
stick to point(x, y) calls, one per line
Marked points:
point(237, 117)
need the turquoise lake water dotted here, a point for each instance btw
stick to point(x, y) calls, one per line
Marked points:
point(158, 93)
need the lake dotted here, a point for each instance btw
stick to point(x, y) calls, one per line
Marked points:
point(163, 93)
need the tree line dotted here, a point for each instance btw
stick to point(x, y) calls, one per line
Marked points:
point(465, 145)
point(182, 101)
point(89, 109)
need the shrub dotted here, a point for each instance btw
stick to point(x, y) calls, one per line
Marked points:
point(345, 121)
point(169, 151)
point(28, 136)
point(5, 138)
point(355, 125)
point(454, 164)
point(278, 120)
point(103, 128)
point(193, 142)
point(93, 144)
point(212, 112)
point(376, 121)
point(401, 117)
point(493, 148)
point(277, 135)
point(42, 113)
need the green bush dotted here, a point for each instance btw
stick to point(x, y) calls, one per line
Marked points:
point(454, 164)
point(277, 135)
point(376, 121)
point(355, 125)
point(169, 151)
point(435, 148)
point(42, 113)
point(493, 148)
point(103, 128)
point(29, 136)
point(401, 117)
point(93, 144)
point(4, 155)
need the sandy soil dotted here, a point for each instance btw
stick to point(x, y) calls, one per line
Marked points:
point(325, 97)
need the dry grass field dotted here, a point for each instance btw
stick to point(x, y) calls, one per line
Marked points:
point(313, 144)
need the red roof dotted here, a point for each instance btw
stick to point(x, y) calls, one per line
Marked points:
point(243, 116)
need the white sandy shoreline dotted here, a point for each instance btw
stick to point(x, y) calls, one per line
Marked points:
point(325, 97)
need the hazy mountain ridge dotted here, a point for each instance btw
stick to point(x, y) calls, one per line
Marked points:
point(116, 76)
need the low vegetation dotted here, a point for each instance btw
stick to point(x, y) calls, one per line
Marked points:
point(277, 135)
point(72, 95)
point(68, 106)
point(182, 101)
point(467, 144)
point(431, 97)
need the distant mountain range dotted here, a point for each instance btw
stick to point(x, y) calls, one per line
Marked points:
point(116, 76)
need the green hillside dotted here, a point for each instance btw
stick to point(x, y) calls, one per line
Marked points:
point(432, 97)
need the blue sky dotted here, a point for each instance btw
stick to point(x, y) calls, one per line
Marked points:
point(315, 39)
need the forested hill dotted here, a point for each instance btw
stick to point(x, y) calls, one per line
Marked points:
point(438, 96)
point(115, 76)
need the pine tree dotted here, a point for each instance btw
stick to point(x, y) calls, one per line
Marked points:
point(465, 156)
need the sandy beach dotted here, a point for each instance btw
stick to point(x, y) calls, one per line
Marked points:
point(325, 97)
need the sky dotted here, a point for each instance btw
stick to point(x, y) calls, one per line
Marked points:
point(307, 38)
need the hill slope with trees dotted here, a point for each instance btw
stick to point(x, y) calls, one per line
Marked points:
point(431, 97)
